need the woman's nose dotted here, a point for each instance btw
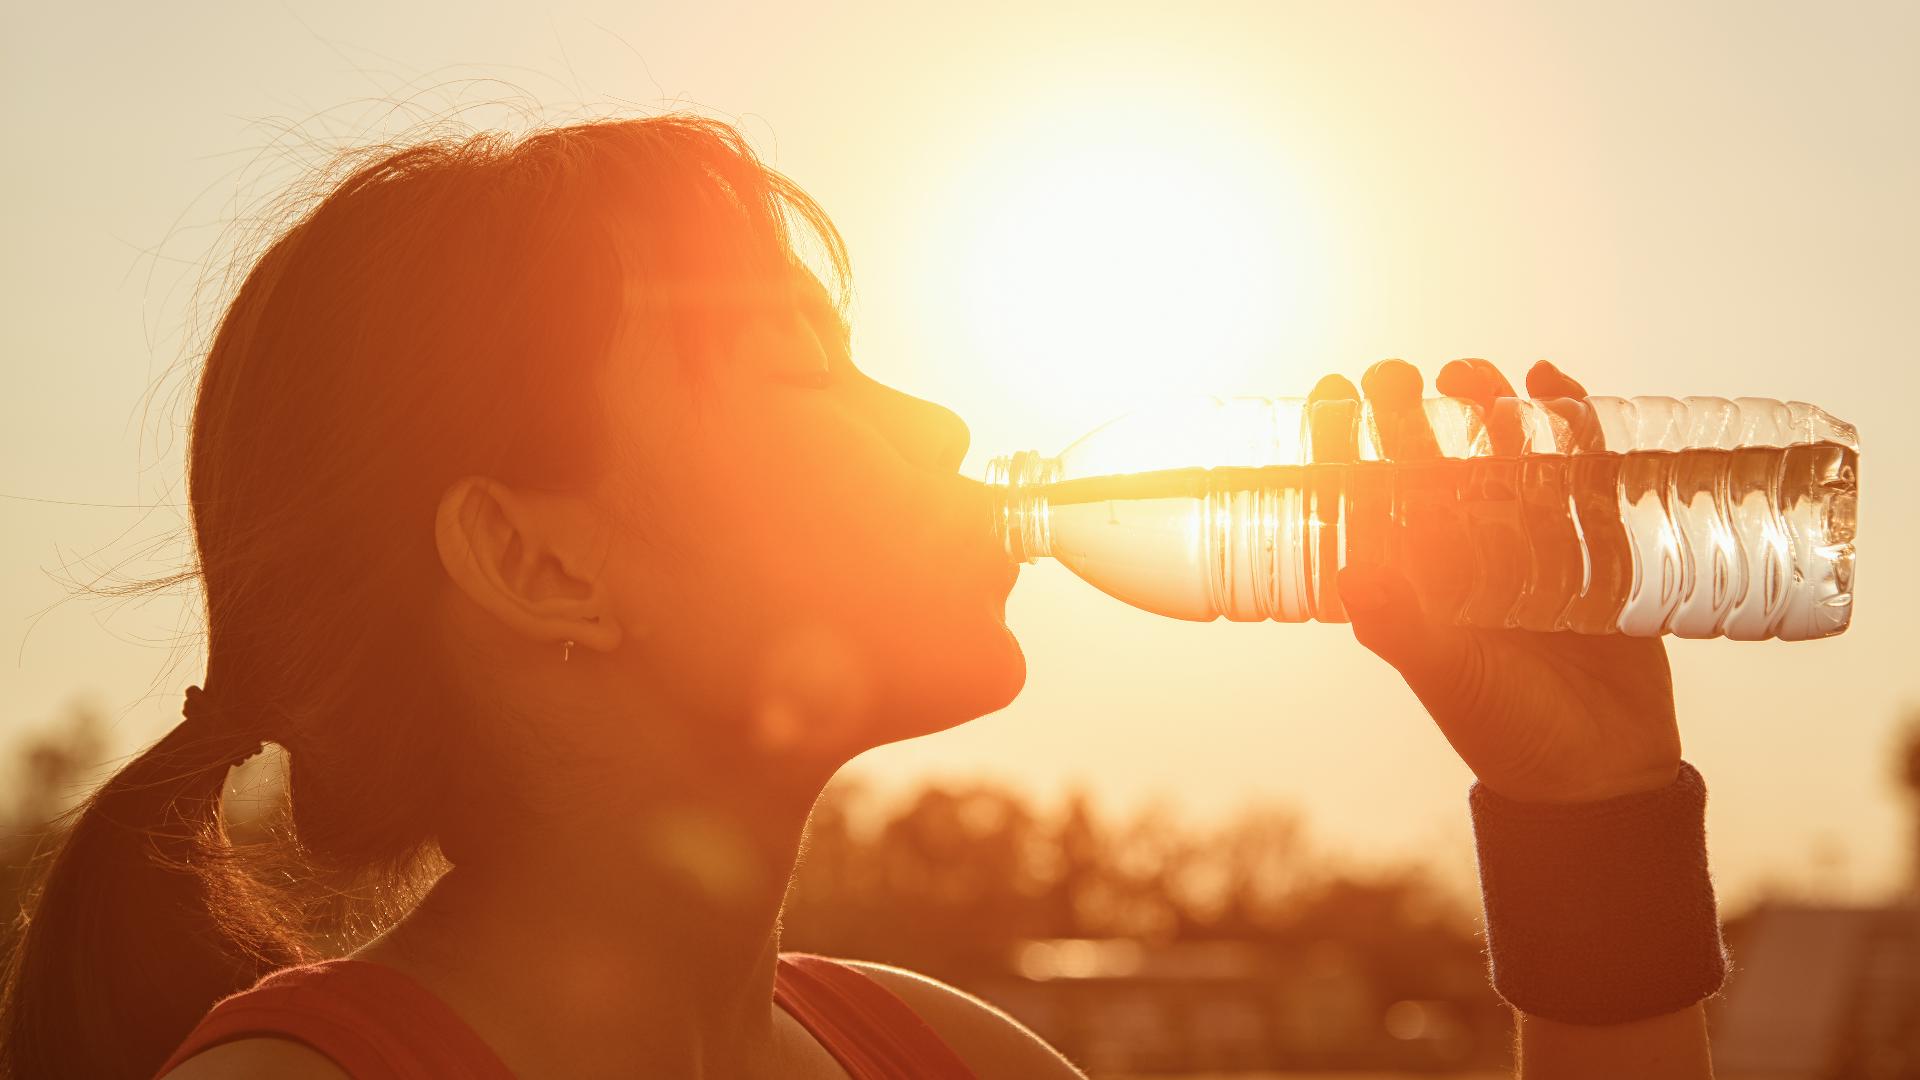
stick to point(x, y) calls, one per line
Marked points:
point(951, 440)
point(931, 436)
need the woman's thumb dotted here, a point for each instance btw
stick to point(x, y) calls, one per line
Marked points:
point(1387, 619)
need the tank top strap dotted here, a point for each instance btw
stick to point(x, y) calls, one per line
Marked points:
point(378, 1024)
point(865, 1026)
point(372, 1021)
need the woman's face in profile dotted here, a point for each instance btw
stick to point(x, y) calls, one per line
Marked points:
point(797, 546)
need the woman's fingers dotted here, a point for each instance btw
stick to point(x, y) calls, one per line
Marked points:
point(1333, 388)
point(1382, 502)
point(1561, 393)
point(1462, 380)
point(1546, 381)
point(1392, 382)
point(1332, 411)
point(1501, 387)
point(1480, 382)
point(1475, 380)
point(1394, 389)
point(1333, 427)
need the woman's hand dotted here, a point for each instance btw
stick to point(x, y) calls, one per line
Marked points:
point(1538, 717)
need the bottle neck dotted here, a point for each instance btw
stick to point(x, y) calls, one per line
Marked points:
point(1020, 515)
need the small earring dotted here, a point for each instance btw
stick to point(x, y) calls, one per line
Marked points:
point(566, 651)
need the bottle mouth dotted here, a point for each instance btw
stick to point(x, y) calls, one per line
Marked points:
point(1020, 517)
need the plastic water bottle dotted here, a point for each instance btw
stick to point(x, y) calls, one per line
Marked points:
point(1700, 517)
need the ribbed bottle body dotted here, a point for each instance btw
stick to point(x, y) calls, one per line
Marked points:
point(1700, 517)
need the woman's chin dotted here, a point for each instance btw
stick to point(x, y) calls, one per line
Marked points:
point(970, 681)
point(1001, 675)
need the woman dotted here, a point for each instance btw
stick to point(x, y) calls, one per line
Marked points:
point(545, 521)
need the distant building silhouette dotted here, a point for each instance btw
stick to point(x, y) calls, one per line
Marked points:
point(1822, 993)
point(1119, 1006)
point(1829, 993)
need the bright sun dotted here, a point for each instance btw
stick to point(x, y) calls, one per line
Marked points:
point(1121, 260)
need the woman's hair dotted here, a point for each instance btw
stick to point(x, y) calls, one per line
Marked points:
point(445, 310)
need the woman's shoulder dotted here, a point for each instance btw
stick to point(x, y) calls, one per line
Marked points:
point(330, 1020)
point(246, 1059)
point(991, 1042)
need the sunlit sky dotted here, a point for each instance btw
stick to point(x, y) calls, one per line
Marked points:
point(1056, 212)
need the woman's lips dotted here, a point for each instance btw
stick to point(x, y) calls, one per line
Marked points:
point(980, 551)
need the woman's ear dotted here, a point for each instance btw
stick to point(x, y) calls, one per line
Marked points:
point(532, 559)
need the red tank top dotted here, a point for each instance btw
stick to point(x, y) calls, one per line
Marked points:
point(378, 1024)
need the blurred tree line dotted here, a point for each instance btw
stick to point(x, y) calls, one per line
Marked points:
point(49, 772)
point(951, 878)
point(957, 878)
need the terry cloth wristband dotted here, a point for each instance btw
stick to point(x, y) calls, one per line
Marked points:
point(1601, 912)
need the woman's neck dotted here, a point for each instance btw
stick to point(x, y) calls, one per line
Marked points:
point(635, 939)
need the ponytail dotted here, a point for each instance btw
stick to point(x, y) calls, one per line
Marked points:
point(140, 921)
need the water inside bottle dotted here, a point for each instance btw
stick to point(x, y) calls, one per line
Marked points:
point(1747, 543)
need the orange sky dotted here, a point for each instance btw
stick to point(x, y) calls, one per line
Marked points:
point(1664, 199)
